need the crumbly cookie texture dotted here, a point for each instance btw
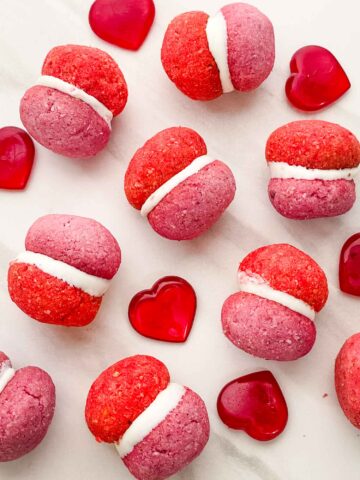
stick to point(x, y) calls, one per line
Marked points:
point(272, 316)
point(70, 109)
point(65, 271)
point(237, 52)
point(27, 406)
point(158, 427)
point(191, 204)
point(347, 379)
point(174, 443)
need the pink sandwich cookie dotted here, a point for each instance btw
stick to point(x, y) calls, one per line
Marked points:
point(65, 271)
point(158, 427)
point(272, 317)
point(206, 56)
point(312, 167)
point(27, 404)
point(179, 188)
point(71, 107)
point(347, 379)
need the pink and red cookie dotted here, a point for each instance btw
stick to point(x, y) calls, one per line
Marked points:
point(158, 427)
point(272, 316)
point(312, 166)
point(206, 56)
point(65, 270)
point(347, 379)
point(27, 404)
point(179, 188)
point(71, 107)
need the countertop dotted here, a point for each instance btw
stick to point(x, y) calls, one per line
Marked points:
point(318, 443)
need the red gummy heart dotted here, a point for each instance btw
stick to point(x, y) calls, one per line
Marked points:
point(166, 311)
point(349, 270)
point(254, 403)
point(125, 23)
point(17, 153)
point(317, 79)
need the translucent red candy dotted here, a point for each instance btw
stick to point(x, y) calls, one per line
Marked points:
point(349, 270)
point(317, 79)
point(17, 153)
point(125, 23)
point(166, 311)
point(254, 403)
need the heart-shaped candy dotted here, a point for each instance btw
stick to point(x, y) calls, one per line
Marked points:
point(317, 79)
point(125, 23)
point(254, 403)
point(349, 269)
point(17, 153)
point(165, 312)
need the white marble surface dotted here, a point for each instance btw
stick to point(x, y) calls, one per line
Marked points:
point(318, 443)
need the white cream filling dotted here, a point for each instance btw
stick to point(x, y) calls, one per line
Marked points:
point(216, 32)
point(255, 284)
point(94, 286)
point(145, 423)
point(6, 374)
point(173, 182)
point(69, 89)
point(284, 170)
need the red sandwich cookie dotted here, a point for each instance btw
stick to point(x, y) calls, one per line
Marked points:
point(65, 271)
point(272, 316)
point(312, 166)
point(27, 404)
point(157, 427)
point(347, 379)
point(206, 56)
point(177, 186)
point(71, 107)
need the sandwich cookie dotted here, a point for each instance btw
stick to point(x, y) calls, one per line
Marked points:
point(179, 188)
point(71, 106)
point(272, 316)
point(157, 427)
point(312, 165)
point(65, 271)
point(347, 379)
point(206, 56)
point(27, 404)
